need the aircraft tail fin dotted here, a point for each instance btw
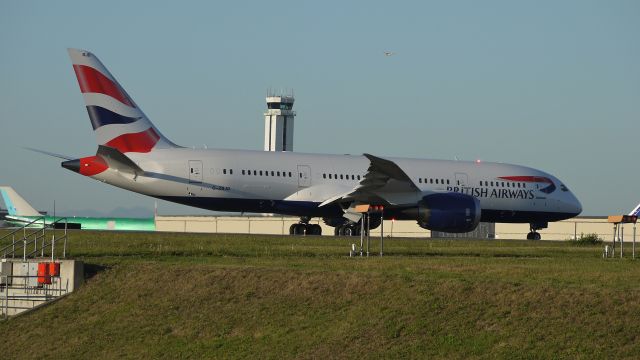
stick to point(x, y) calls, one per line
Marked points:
point(635, 211)
point(15, 204)
point(116, 119)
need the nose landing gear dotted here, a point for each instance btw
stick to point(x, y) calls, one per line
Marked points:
point(534, 234)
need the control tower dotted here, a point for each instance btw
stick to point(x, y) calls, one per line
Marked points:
point(278, 123)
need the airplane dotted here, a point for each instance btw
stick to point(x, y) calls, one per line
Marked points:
point(441, 195)
point(635, 211)
point(20, 213)
point(389, 53)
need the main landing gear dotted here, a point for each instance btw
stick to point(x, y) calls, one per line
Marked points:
point(347, 229)
point(304, 228)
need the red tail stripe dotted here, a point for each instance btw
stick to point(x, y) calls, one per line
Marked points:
point(92, 165)
point(528, 179)
point(92, 81)
point(141, 142)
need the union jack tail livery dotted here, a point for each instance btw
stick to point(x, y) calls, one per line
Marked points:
point(116, 119)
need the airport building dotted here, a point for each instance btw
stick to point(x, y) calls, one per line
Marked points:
point(279, 225)
point(278, 123)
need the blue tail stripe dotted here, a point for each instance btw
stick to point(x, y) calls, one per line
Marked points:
point(7, 201)
point(100, 117)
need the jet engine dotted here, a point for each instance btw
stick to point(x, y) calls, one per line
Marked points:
point(448, 212)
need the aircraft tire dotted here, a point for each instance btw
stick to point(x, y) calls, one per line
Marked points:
point(314, 229)
point(349, 231)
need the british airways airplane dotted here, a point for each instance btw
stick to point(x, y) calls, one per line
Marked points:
point(448, 196)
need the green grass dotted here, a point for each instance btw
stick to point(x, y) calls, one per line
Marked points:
point(247, 296)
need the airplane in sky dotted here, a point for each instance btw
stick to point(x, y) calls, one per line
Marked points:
point(441, 195)
point(20, 212)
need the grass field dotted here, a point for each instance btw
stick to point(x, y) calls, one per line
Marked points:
point(247, 296)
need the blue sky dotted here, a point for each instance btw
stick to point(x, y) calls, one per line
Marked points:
point(549, 84)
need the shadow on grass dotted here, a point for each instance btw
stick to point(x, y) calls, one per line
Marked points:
point(91, 270)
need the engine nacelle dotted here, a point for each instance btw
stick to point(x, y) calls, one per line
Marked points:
point(449, 212)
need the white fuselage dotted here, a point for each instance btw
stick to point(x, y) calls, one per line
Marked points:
point(297, 183)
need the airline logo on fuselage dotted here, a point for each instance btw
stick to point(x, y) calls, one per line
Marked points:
point(508, 193)
point(533, 179)
point(482, 192)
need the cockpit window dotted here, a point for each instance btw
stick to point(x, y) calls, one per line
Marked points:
point(563, 188)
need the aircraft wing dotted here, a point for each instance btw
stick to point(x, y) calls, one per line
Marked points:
point(385, 182)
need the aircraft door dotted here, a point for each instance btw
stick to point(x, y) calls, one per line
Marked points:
point(195, 172)
point(304, 176)
point(462, 179)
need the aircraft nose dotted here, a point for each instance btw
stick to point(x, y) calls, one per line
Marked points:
point(577, 206)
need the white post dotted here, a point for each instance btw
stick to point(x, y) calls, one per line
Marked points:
point(361, 232)
point(381, 232)
point(621, 239)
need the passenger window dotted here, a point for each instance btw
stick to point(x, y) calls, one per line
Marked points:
point(436, 181)
point(300, 175)
point(353, 177)
point(230, 171)
point(340, 176)
point(290, 174)
point(243, 172)
point(324, 176)
point(278, 173)
point(420, 180)
point(272, 173)
point(224, 171)
point(358, 177)
point(431, 181)
point(260, 172)
point(447, 181)
point(503, 184)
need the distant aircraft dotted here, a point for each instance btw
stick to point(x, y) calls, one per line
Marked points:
point(635, 211)
point(389, 53)
point(21, 213)
point(441, 195)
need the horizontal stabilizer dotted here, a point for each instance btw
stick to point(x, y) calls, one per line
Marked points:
point(118, 161)
point(59, 156)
